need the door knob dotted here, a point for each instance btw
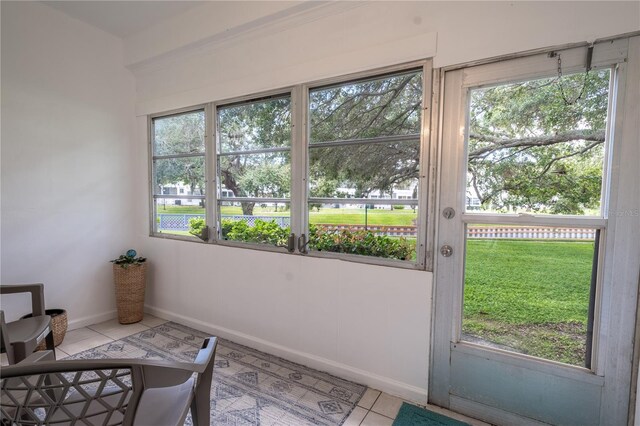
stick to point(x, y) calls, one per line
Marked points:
point(446, 250)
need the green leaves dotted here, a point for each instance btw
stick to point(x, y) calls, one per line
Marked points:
point(364, 243)
point(127, 259)
point(265, 232)
point(531, 151)
point(197, 227)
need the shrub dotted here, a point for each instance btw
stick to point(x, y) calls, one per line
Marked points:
point(197, 226)
point(398, 207)
point(226, 227)
point(364, 243)
point(268, 232)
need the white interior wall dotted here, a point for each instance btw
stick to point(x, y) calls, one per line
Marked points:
point(365, 322)
point(67, 131)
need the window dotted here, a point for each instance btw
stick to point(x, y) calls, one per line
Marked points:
point(254, 171)
point(349, 187)
point(536, 147)
point(178, 158)
point(364, 144)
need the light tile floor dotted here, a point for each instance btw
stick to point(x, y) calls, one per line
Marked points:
point(374, 409)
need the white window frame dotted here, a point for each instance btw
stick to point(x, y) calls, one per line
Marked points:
point(217, 185)
point(423, 252)
point(153, 229)
point(298, 202)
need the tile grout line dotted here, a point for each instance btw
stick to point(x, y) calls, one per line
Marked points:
point(112, 339)
point(371, 409)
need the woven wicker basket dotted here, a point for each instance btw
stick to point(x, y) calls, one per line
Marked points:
point(130, 285)
point(59, 325)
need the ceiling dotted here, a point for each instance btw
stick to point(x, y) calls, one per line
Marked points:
point(122, 18)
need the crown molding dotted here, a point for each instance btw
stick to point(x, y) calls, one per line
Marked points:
point(283, 20)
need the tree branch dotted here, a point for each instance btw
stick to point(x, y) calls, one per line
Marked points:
point(562, 157)
point(498, 144)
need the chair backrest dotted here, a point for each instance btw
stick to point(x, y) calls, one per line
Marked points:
point(37, 309)
point(100, 392)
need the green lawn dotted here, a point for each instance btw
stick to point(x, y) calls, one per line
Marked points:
point(529, 296)
point(403, 217)
point(180, 209)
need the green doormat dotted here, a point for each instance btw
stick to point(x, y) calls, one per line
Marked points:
point(410, 415)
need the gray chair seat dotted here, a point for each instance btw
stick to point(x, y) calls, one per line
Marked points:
point(158, 406)
point(34, 328)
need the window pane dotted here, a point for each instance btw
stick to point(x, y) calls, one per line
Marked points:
point(388, 231)
point(346, 114)
point(383, 106)
point(538, 146)
point(362, 170)
point(265, 222)
point(527, 289)
point(256, 175)
point(178, 216)
point(179, 176)
point(179, 134)
point(255, 125)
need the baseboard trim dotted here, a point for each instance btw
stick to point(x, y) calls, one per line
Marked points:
point(385, 384)
point(92, 319)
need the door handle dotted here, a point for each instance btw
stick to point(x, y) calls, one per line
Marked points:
point(303, 243)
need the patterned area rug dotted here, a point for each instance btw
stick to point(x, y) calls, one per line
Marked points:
point(249, 387)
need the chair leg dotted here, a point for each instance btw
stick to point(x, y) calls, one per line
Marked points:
point(49, 343)
point(10, 354)
point(194, 413)
point(19, 352)
point(201, 410)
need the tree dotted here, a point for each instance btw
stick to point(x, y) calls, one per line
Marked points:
point(387, 106)
point(537, 145)
point(180, 134)
point(251, 126)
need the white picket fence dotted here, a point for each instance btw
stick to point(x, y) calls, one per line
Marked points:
point(494, 232)
point(532, 232)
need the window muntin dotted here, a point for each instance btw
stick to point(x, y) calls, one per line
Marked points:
point(178, 169)
point(254, 170)
point(538, 146)
point(364, 145)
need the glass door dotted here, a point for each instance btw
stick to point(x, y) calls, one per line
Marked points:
point(525, 189)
